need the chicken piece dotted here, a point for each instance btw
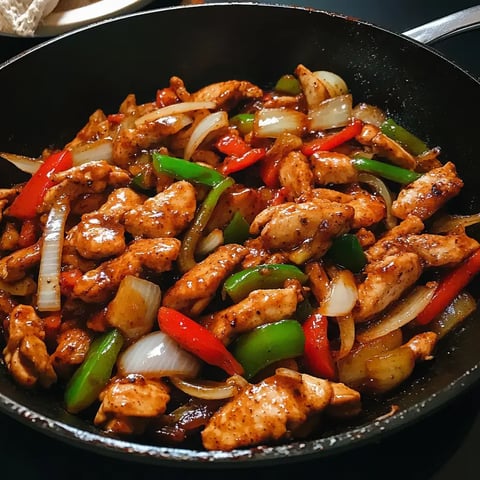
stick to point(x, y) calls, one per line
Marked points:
point(98, 285)
point(429, 193)
point(72, 347)
point(332, 167)
point(99, 234)
point(309, 227)
point(313, 88)
point(15, 266)
point(194, 291)
point(268, 411)
point(259, 308)
point(422, 345)
point(26, 354)
point(295, 174)
point(259, 254)
point(384, 146)
point(227, 94)
point(10, 237)
point(345, 402)
point(165, 215)
point(91, 177)
point(385, 282)
point(96, 127)
point(128, 400)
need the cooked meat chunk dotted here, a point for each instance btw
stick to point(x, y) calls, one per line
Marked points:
point(194, 291)
point(345, 402)
point(258, 254)
point(166, 214)
point(128, 400)
point(386, 280)
point(98, 285)
point(429, 193)
point(268, 411)
point(332, 167)
point(308, 227)
point(386, 147)
point(15, 266)
point(259, 308)
point(313, 88)
point(422, 345)
point(295, 174)
point(26, 354)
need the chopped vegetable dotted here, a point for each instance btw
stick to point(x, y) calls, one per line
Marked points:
point(267, 344)
point(26, 203)
point(243, 122)
point(288, 84)
point(237, 231)
point(240, 284)
point(385, 170)
point(406, 139)
point(93, 374)
point(347, 252)
point(449, 287)
point(196, 339)
point(235, 164)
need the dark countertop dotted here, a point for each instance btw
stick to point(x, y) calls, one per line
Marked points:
point(441, 447)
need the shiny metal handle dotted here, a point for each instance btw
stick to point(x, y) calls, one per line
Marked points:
point(445, 27)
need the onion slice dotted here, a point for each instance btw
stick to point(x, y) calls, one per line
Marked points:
point(331, 113)
point(23, 163)
point(342, 296)
point(204, 127)
point(174, 109)
point(157, 355)
point(400, 314)
point(205, 389)
point(447, 223)
point(346, 326)
point(93, 152)
point(273, 122)
point(48, 293)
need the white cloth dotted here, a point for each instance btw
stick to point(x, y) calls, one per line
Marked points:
point(22, 17)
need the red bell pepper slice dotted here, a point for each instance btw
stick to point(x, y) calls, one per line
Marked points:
point(269, 170)
point(232, 145)
point(334, 140)
point(449, 287)
point(317, 357)
point(234, 164)
point(196, 339)
point(26, 203)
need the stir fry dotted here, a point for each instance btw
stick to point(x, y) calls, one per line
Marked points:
point(234, 266)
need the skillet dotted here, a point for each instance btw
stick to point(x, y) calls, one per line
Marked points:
point(95, 67)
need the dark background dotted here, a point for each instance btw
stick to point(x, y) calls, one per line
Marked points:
point(443, 446)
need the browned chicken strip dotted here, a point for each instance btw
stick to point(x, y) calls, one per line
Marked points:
point(429, 193)
point(194, 291)
point(332, 167)
point(267, 411)
point(259, 308)
point(295, 174)
point(98, 285)
point(166, 214)
point(15, 266)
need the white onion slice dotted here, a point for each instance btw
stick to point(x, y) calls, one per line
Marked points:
point(369, 114)
point(400, 314)
point(209, 243)
point(346, 327)
point(342, 296)
point(381, 188)
point(157, 355)
point(334, 84)
point(134, 308)
point(48, 293)
point(205, 126)
point(331, 113)
point(174, 109)
point(205, 389)
point(93, 152)
point(273, 122)
point(23, 163)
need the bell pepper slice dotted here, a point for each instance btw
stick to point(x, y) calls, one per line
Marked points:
point(385, 170)
point(186, 257)
point(93, 374)
point(29, 199)
point(238, 230)
point(232, 145)
point(198, 340)
point(318, 358)
point(240, 284)
point(449, 287)
point(334, 140)
point(402, 136)
point(269, 170)
point(185, 170)
point(243, 122)
point(288, 84)
point(347, 252)
point(267, 344)
point(234, 164)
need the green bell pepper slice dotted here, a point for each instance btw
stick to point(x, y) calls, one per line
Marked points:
point(385, 170)
point(240, 284)
point(94, 373)
point(243, 122)
point(405, 138)
point(267, 344)
point(238, 230)
point(347, 252)
point(288, 84)
point(185, 170)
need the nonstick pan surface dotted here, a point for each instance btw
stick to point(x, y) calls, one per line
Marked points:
point(49, 92)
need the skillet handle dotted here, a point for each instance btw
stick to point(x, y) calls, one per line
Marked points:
point(445, 27)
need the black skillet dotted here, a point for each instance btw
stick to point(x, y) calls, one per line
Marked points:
point(48, 93)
